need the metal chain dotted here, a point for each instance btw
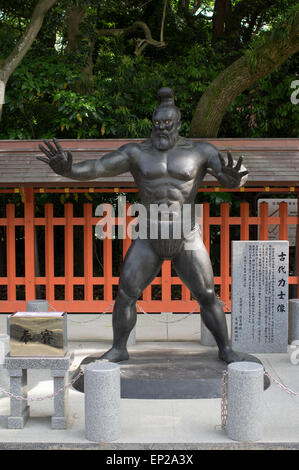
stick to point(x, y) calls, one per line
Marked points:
point(93, 319)
point(52, 395)
point(283, 387)
point(167, 322)
point(224, 400)
point(224, 394)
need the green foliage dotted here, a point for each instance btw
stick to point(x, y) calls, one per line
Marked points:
point(266, 110)
point(48, 94)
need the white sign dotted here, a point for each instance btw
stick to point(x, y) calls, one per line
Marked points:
point(260, 272)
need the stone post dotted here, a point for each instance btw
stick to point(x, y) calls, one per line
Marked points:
point(19, 409)
point(59, 418)
point(245, 386)
point(102, 401)
point(293, 320)
point(37, 306)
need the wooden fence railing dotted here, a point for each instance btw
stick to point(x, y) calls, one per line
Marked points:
point(91, 283)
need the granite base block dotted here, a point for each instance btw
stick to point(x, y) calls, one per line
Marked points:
point(18, 422)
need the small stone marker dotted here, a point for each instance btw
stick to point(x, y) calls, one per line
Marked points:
point(260, 272)
point(293, 320)
point(245, 387)
point(102, 401)
point(38, 305)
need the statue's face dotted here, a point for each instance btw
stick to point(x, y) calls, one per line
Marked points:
point(166, 126)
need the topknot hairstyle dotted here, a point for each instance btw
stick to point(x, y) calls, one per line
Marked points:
point(166, 96)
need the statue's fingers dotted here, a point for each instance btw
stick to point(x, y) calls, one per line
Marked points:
point(58, 146)
point(239, 163)
point(221, 158)
point(230, 159)
point(69, 156)
point(45, 151)
point(50, 146)
point(243, 173)
point(42, 159)
point(211, 172)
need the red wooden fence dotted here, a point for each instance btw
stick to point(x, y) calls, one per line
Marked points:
point(89, 303)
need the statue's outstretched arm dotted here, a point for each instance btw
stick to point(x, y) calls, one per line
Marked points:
point(61, 161)
point(231, 174)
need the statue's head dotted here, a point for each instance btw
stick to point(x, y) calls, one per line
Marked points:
point(166, 121)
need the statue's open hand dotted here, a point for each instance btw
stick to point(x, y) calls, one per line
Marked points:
point(230, 175)
point(59, 160)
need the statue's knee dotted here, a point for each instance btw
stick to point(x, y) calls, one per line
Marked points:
point(207, 297)
point(129, 292)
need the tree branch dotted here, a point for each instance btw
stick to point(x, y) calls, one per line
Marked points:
point(27, 39)
point(23, 45)
point(163, 21)
point(240, 75)
point(141, 43)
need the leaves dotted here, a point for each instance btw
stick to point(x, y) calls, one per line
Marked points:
point(45, 96)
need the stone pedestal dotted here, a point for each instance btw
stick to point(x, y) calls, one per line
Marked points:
point(102, 401)
point(17, 369)
point(245, 386)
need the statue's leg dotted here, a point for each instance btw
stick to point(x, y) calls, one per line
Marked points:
point(193, 266)
point(141, 265)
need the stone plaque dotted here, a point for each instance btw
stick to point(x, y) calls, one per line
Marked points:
point(260, 296)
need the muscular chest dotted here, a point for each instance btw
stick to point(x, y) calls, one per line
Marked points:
point(178, 164)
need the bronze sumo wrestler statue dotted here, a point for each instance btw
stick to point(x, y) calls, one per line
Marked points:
point(168, 170)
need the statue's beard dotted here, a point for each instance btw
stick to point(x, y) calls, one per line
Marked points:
point(163, 140)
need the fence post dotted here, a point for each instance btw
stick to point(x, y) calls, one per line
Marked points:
point(244, 228)
point(11, 252)
point(264, 224)
point(49, 252)
point(88, 252)
point(68, 251)
point(283, 221)
point(224, 251)
point(29, 244)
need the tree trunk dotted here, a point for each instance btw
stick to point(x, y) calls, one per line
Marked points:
point(239, 76)
point(219, 19)
point(24, 44)
point(74, 17)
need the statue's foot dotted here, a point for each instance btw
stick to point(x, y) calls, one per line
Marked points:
point(113, 355)
point(228, 355)
point(116, 355)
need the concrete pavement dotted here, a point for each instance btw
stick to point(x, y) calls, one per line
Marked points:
point(157, 424)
